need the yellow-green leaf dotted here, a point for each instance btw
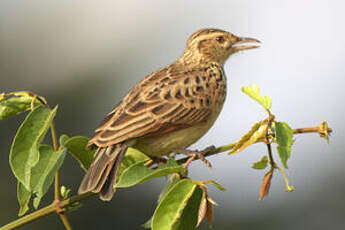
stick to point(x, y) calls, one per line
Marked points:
point(2, 96)
point(179, 208)
point(139, 173)
point(169, 185)
point(284, 139)
point(256, 133)
point(217, 185)
point(23, 196)
point(15, 105)
point(24, 154)
point(131, 157)
point(254, 92)
point(77, 147)
point(42, 175)
point(262, 164)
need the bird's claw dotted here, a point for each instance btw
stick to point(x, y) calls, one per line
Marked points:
point(195, 154)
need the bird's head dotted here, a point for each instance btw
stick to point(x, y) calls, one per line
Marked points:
point(215, 45)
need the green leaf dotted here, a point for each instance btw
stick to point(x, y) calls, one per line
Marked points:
point(23, 197)
point(284, 140)
point(256, 133)
point(15, 105)
point(2, 96)
point(179, 208)
point(24, 154)
point(42, 175)
point(171, 182)
point(262, 164)
point(190, 214)
point(77, 146)
point(63, 138)
point(253, 91)
point(132, 156)
point(64, 192)
point(217, 185)
point(139, 173)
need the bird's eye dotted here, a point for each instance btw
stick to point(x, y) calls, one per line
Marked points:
point(220, 39)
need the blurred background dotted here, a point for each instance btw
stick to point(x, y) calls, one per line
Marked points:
point(86, 55)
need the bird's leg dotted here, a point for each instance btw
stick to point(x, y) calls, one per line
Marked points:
point(194, 154)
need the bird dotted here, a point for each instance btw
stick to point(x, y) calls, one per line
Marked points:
point(169, 110)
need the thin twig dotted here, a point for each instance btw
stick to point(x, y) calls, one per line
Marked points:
point(55, 146)
point(73, 200)
point(46, 211)
point(57, 198)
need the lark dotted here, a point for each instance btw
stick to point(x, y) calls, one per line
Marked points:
point(167, 111)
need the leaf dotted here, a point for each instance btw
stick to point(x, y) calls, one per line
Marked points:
point(148, 223)
point(24, 154)
point(171, 182)
point(209, 212)
point(266, 184)
point(131, 157)
point(63, 138)
point(139, 173)
point(220, 187)
point(77, 147)
point(15, 105)
point(64, 192)
point(256, 133)
point(253, 91)
point(23, 197)
point(179, 208)
point(42, 175)
point(284, 140)
point(323, 130)
point(202, 207)
point(174, 179)
point(205, 209)
point(189, 217)
point(2, 96)
point(262, 164)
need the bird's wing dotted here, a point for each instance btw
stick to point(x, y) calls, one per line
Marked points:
point(165, 101)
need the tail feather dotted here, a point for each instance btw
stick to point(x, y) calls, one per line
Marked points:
point(101, 176)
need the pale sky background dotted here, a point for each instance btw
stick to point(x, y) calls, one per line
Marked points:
point(86, 55)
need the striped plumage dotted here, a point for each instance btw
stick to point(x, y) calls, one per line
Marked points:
point(168, 110)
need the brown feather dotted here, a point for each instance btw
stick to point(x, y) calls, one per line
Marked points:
point(138, 115)
point(101, 176)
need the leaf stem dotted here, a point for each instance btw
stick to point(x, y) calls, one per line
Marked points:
point(289, 188)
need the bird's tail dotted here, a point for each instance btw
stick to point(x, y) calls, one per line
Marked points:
point(101, 176)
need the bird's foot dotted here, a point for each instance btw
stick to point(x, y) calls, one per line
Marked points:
point(196, 154)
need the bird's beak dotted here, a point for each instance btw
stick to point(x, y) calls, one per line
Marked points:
point(241, 40)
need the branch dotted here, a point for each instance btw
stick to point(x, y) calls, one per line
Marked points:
point(57, 201)
point(224, 148)
point(72, 201)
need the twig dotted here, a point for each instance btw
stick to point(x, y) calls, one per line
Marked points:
point(73, 200)
point(59, 209)
point(46, 211)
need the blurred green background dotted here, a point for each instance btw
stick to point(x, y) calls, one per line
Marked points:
point(85, 55)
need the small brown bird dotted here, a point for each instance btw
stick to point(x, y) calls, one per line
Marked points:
point(168, 110)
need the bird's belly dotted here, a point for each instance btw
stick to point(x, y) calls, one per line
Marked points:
point(170, 142)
